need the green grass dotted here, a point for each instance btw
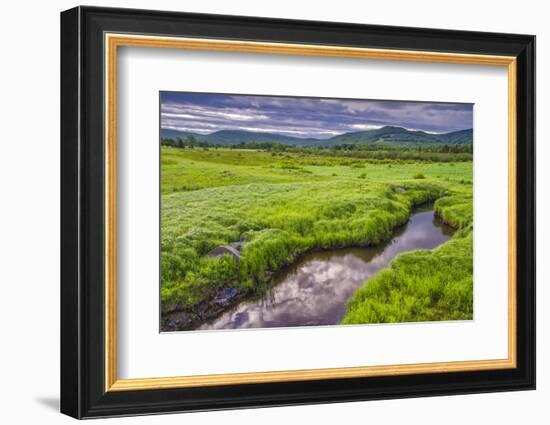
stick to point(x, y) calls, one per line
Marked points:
point(282, 205)
point(424, 285)
point(419, 286)
point(193, 169)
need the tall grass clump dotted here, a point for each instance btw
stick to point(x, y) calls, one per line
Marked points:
point(456, 210)
point(419, 286)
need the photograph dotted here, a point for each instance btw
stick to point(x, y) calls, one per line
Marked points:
point(286, 211)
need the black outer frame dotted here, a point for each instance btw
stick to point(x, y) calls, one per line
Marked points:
point(82, 212)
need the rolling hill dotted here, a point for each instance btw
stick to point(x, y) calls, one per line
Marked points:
point(390, 135)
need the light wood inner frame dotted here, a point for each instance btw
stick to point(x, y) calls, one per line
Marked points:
point(113, 41)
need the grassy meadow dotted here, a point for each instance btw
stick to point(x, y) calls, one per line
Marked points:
point(283, 204)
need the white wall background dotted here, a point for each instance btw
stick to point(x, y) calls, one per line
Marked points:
point(29, 212)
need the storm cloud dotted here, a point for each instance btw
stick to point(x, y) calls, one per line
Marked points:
point(305, 117)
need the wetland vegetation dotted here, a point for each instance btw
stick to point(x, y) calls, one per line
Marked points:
point(281, 211)
point(283, 206)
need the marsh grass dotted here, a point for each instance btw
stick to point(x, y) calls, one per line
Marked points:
point(285, 205)
point(424, 285)
point(419, 286)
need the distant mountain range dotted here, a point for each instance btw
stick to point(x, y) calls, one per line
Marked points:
point(385, 135)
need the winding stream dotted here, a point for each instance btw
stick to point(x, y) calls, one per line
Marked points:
point(315, 289)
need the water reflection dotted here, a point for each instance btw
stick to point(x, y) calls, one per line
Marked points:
point(315, 289)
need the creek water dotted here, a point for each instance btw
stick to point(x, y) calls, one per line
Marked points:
point(315, 289)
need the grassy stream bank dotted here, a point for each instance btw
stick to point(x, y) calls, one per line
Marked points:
point(280, 207)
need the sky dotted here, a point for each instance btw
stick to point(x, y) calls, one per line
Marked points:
point(305, 117)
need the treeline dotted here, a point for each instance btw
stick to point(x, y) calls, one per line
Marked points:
point(378, 152)
point(425, 147)
point(188, 142)
point(403, 155)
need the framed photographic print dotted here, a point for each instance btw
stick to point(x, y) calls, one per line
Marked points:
point(262, 212)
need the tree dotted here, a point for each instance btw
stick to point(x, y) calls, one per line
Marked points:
point(190, 141)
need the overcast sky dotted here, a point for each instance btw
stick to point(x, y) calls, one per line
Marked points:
point(304, 117)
